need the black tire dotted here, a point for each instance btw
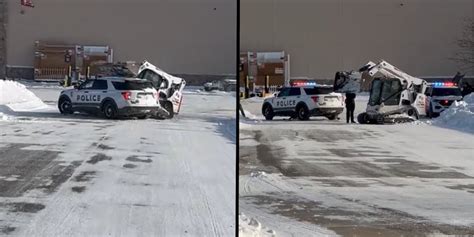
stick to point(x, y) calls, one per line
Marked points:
point(411, 112)
point(65, 105)
point(168, 106)
point(109, 109)
point(430, 112)
point(331, 116)
point(267, 111)
point(362, 118)
point(380, 119)
point(145, 116)
point(302, 112)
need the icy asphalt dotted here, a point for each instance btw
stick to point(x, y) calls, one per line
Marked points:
point(84, 176)
point(327, 178)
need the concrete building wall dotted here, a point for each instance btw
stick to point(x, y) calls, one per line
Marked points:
point(180, 36)
point(324, 36)
point(3, 45)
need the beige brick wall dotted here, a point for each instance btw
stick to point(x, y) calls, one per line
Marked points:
point(181, 36)
point(323, 36)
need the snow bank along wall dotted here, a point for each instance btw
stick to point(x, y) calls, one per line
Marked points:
point(325, 36)
point(183, 37)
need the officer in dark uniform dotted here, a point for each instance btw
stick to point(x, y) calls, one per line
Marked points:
point(350, 107)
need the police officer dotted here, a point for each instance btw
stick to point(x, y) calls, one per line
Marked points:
point(350, 107)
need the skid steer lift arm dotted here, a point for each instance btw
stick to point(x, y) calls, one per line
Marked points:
point(385, 70)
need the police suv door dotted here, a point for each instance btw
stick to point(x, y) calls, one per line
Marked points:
point(78, 97)
point(280, 100)
point(294, 97)
point(97, 93)
point(90, 93)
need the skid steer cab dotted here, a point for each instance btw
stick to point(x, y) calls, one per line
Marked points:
point(169, 87)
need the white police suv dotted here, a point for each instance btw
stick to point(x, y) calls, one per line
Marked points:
point(113, 97)
point(303, 102)
point(439, 96)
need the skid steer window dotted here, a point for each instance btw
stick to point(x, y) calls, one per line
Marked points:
point(391, 92)
point(152, 77)
point(375, 92)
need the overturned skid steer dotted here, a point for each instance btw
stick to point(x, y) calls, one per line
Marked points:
point(394, 95)
point(169, 87)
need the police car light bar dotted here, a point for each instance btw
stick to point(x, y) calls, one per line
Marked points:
point(304, 83)
point(443, 84)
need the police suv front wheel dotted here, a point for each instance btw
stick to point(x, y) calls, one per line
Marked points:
point(110, 110)
point(65, 105)
point(267, 112)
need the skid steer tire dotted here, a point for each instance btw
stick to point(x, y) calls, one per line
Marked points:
point(380, 119)
point(362, 118)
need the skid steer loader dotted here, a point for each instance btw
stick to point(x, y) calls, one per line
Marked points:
point(170, 88)
point(394, 95)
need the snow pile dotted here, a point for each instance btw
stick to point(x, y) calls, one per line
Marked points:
point(18, 98)
point(250, 116)
point(459, 116)
point(4, 117)
point(250, 227)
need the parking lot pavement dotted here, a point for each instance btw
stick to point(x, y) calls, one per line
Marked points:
point(80, 175)
point(299, 178)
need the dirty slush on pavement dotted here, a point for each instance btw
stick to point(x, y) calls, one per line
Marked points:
point(88, 173)
point(310, 171)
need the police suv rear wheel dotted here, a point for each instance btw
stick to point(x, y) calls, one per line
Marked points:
point(303, 112)
point(267, 112)
point(109, 110)
point(65, 105)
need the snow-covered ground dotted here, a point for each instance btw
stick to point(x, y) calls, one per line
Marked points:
point(80, 175)
point(326, 178)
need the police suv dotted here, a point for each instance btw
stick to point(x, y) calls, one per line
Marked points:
point(303, 102)
point(113, 97)
point(439, 96)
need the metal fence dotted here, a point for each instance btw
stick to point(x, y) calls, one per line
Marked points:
point(51, 73)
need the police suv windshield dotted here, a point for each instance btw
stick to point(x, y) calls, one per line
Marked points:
point(454, 91)
point(132, 85)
